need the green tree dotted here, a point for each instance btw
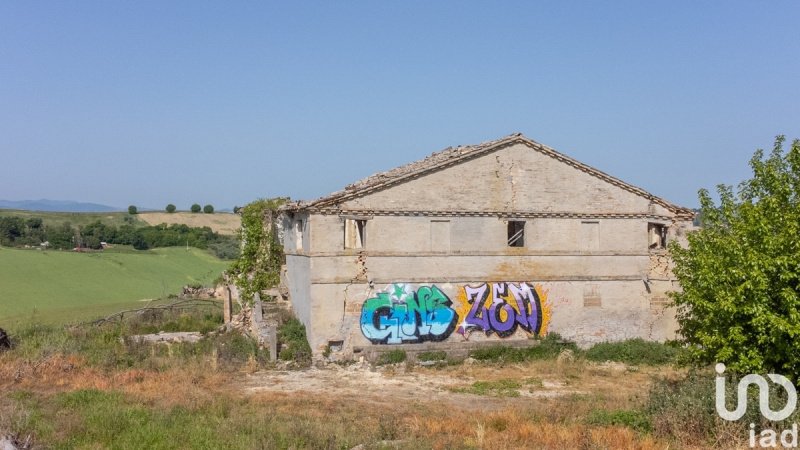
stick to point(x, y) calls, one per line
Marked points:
point(132, 210)
point(196, 208)
point(171, 208)
point(208, 209)
point(740, 274)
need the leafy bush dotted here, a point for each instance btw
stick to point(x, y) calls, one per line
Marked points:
point(633, 351)
point(170, 208)
point(739, 274)
point(225, 249)
point(391, 357)
point(132, 210)
point(208, 209)
point(293, 343)
point(196, 208)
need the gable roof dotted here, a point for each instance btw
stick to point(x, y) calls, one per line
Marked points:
point(456, 155)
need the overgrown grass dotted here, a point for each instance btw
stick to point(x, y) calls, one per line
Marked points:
point(110, 346)
point(636, 420)
point(432, 356)
point(391, 357)
point(90, 418)
point(633, 351)
point(549, 347)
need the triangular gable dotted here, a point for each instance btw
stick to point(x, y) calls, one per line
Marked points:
point(453, 156)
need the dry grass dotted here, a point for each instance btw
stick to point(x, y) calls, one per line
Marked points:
point(369, 418)
point(189, 384)
point(222, 223)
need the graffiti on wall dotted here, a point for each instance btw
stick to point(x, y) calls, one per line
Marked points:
point(402, 315)
point(502, 308)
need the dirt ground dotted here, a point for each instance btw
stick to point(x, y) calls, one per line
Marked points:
point(569, 389)
point(223, 223)
point(542, 404)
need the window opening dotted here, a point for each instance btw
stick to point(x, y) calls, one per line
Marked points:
point(355, 233)
point(657, 236)
point(516, 233)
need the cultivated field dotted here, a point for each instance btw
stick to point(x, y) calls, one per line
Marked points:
point(223, 223)
point(75, 218)
point(61, 286)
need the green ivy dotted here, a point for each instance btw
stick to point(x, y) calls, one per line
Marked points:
point(259, 264)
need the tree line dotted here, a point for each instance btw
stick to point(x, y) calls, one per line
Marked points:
point(19, 232)
point(208, 209)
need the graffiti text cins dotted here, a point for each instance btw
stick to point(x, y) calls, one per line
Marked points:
point(402, 315)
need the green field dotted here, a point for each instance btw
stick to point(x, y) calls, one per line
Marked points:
point(61, 286)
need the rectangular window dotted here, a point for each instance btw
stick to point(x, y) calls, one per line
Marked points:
point(440, 236)
point(590, 235)
point(516, 233)
point(298, 235)
point(656, 236)
point(355, 233)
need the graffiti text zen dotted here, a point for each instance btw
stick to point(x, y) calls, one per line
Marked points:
point(502, 307)
point(401, 314)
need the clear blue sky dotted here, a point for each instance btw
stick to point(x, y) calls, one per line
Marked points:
point(151, 102)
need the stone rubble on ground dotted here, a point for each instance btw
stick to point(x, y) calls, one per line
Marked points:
point(180, 336)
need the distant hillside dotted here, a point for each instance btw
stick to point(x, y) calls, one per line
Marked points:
point(62, 286)
point(220, 222)
point(56, 206)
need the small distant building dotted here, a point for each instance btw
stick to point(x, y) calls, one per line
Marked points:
point(500, 241)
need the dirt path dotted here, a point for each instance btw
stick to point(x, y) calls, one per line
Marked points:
point(504, 387)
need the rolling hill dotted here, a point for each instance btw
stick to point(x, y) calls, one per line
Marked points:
point(60, 286)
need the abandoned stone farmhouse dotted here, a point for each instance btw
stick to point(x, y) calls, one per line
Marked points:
point(501, 241)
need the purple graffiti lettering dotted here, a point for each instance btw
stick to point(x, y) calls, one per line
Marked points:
point(477, 317)
point(523, 309)
point(499, 326)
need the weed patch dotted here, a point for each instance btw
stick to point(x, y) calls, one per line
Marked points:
point(432, 356)
point(547, 348)
point(497, 388)
point(391, 357)
point(633, 351)
point(636, 420)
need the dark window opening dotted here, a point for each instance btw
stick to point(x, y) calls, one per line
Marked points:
point(298, 235)
point(656, 236)
point(516, 233)
point(355, 233)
